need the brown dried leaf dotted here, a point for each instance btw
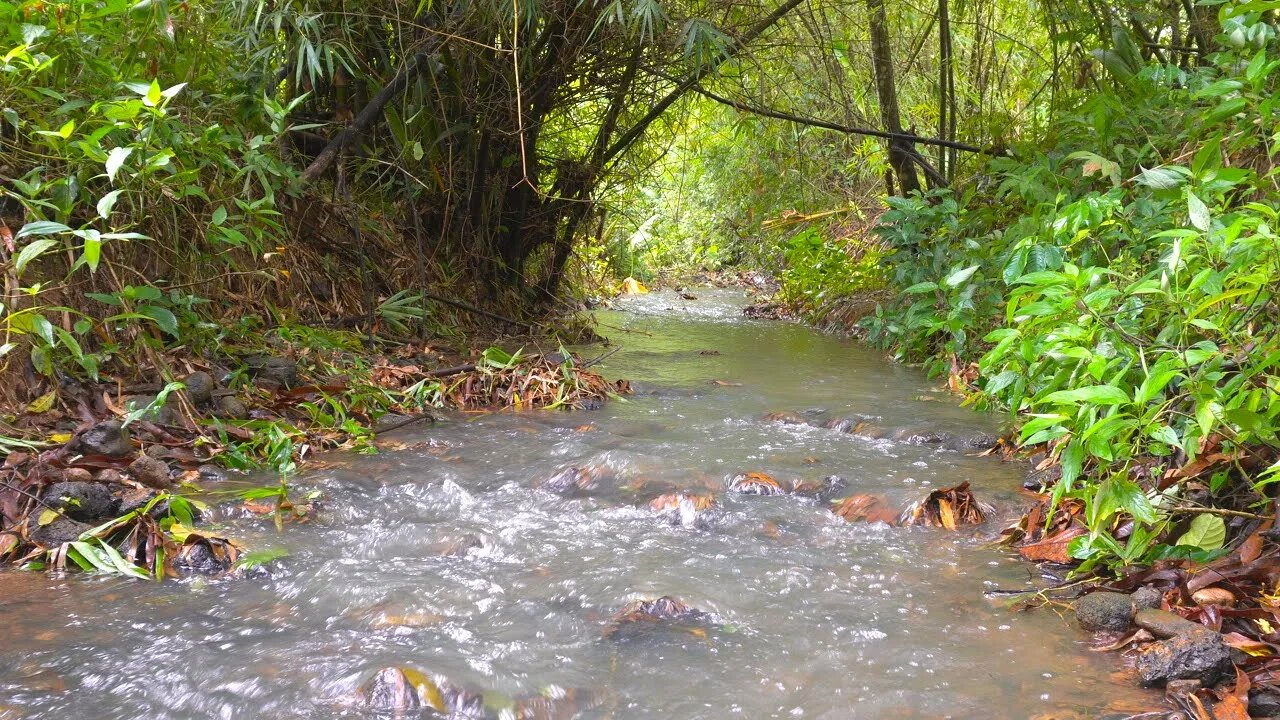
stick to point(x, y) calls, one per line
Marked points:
point(1052, 548)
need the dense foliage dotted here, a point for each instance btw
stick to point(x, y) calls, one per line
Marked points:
point(1116, 292)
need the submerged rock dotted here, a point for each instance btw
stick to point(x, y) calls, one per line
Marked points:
point(755, 483)
point(688, 510)
point(1104, 611)
point(400, 689)
point(108, 437)
point(85, 501)
point(639, 616)
point(574, 481)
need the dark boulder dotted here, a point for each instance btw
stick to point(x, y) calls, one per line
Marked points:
point(151, 472)
point(108, 437)
point(273, 371)
point(59, 531)
point(231, 407)
point(1146, 598)
point(85, 501)
point(1197, 654)
point(200, 388)
point(1104, 611)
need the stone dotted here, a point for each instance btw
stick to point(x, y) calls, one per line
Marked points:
point(108, 437)
point(388, 422)
point(972, 443)
point(85, 501)
point(1195, 655)
point(211, 473)
point(150, 472)
point(62, 530)
point(1104, 611)
point(755, 483)
point(1163, 623)
point(76, 474)
point(1264, 701)
point(230, 406)
point(1214, 596)
point(274, 371)
point(200, 387)
point(1147, 598)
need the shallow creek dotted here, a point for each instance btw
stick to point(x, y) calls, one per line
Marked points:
point(816, 618)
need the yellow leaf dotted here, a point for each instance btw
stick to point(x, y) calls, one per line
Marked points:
point(632, 286)
point(946, 515)
point(427, 688)
point(43, 403)
point(60, 437)
point(180, 532)
point(48, 516)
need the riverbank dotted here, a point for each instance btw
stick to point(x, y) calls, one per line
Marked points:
point(96, 472)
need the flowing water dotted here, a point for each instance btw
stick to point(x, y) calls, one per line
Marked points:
point(442, 556)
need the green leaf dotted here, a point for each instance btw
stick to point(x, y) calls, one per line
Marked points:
point(163, 317)
point(959, 276)
point(41, 227)
point(107, 203)
point(115, 159)
point(1163, 178)
point(1097, 394)
point(92, 253)
point(31, 252)
point(1198, 212)
point(1207, 532)
point(920, 288)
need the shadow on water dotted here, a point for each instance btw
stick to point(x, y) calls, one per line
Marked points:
point(446, 556)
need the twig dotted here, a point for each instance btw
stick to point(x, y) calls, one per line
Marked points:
point(596, 360)
point(409, 421)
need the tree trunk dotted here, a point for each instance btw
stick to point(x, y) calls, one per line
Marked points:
point(900, 152)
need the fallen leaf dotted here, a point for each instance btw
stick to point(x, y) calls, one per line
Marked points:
point(631, 286)
point(43, 404)
point(1052, 548)
point(726, 383)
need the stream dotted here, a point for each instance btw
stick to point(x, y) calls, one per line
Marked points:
point(440, 554)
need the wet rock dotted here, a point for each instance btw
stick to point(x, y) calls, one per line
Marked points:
point(400, 689)
point(786, 418)
point(388, 422)
point(211, 473)
point(108, 437)
point(231, 407)
point(110, 476)
point(1195, 655)
point(572, 481)
point(1264, 701)
point(273, 371)
point(150, 472)
point(200, 387)
point(640, 616)
point(457, 546)
point(135, 499)
point(865, 508)
point(85, 501)
point(558, 703)
point(1104, 611)
point(688, 510)
point(823, 489)
point(1146, 598)
point(755, 483)
point(62, 530)
point(1164, 624)
point(916, 436)
point(977, 442)
point(1041, 479)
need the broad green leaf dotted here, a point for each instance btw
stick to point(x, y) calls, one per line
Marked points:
point(31, 252)
point(1207, 532)
point(115, 159)
point(107, 203)
point(959, 276)
point(1097, 394)
point(1198, 212)
point(1162, 178)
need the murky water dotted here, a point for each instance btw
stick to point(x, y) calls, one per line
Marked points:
point(817, 618)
